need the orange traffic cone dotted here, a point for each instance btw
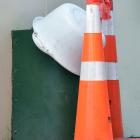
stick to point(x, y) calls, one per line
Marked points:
point(93, 113)
point(113, 82)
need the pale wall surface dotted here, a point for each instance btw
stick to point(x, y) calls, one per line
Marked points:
point(19, 15)
point(51, 4)
point(128, 29)
point(15, 14)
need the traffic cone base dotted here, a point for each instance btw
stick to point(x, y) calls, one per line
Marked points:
point(115, 104)
point(93, 116)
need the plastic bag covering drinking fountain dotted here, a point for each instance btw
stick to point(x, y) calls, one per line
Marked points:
point(60, 34)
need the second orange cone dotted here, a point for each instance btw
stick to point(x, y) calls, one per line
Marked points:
point(113, 82)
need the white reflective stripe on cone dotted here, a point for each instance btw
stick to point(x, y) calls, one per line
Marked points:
point(111, 69)
point(93, 23)
point(98, 71)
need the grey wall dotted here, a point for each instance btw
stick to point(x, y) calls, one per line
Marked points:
point(15, 14)
point(51, 4)
point(127, 17)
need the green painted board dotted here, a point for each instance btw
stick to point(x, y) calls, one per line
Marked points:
point(44, 94)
